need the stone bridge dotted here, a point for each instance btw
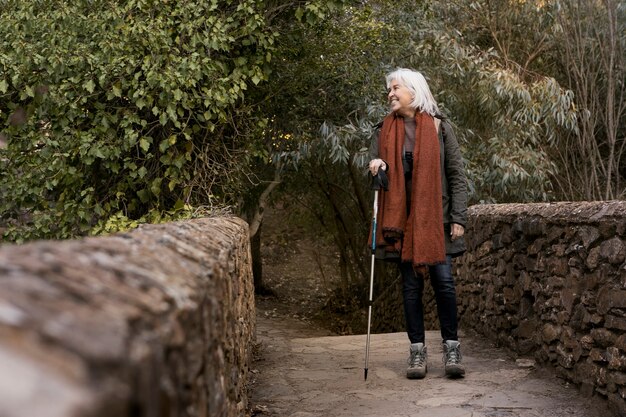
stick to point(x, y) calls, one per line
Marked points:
point(160, 321)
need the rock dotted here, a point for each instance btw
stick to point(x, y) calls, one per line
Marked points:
point(613, 250)
point(525, 363)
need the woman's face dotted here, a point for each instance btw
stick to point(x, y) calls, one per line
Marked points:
point(400, 99)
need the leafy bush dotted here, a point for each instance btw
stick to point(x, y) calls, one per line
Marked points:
point(126, 106)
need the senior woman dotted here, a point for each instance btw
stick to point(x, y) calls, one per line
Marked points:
point(423, 215)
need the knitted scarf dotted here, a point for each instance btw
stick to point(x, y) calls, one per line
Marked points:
point(418, 237)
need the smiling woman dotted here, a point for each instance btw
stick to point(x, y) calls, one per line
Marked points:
point(423, 215)
point(400, 99)
point(414, 83)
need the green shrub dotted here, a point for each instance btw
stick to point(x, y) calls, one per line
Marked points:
point(121, 106)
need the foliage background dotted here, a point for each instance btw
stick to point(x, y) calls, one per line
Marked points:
point(114, 113)
point(502, 74)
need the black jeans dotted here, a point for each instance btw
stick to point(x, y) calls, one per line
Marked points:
point(445, 296)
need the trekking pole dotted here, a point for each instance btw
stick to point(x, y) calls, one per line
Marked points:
point(379, 181)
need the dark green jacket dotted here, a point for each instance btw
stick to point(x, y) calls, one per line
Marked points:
point(453, 184)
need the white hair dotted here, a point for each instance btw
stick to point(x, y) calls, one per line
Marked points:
point(417, 85)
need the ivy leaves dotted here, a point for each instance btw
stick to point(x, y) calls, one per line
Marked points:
point(106, 103)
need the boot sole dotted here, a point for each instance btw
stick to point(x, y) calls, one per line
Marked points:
point(455, 371)
point(412, 374)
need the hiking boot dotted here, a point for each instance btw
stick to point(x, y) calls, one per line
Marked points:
point(416, 361)
point(452, 359)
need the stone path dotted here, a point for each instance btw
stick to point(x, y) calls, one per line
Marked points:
point(302, 371)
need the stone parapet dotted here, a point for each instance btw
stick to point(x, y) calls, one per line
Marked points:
point(158, 321)
point(549, 280)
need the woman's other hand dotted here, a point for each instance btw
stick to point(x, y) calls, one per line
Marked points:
point(456, 231)
point(376, 164)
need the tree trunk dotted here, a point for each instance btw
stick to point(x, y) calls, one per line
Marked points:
point(257, 261)
point(255, 223)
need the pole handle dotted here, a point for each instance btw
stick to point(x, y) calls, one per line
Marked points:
point(380, 180)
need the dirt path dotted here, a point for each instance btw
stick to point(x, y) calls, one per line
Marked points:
point(304, 370)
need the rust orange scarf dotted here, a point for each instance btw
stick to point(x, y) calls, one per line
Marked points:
point(417, 237)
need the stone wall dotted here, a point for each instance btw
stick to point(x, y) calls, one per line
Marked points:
point(549, 280)
point(155, 322)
